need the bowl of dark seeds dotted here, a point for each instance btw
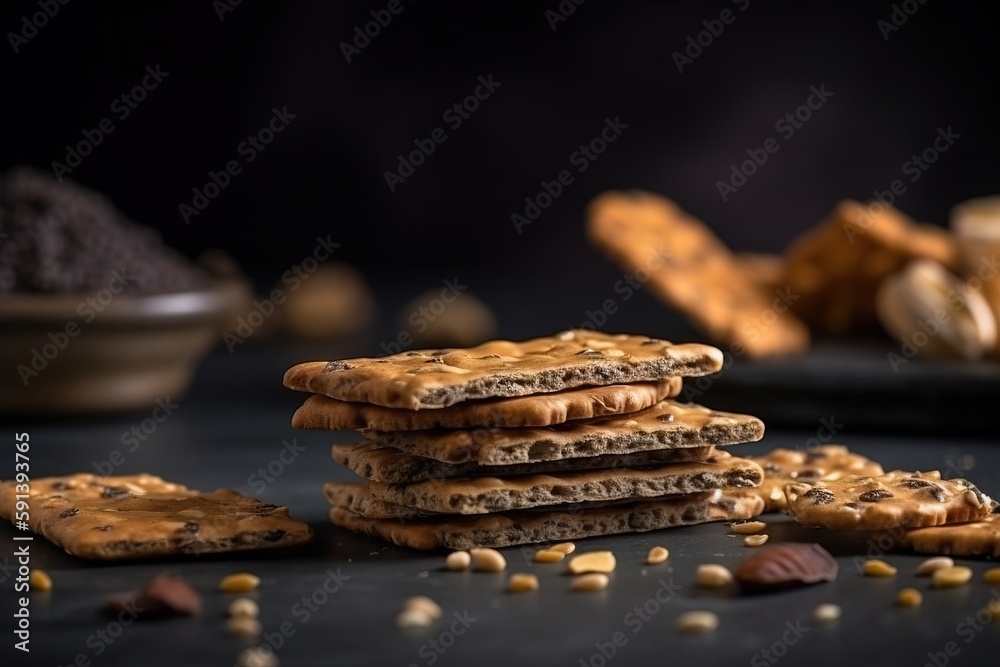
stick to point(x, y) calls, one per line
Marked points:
point(97, 314)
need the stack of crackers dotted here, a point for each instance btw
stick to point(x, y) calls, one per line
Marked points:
point(505, 443)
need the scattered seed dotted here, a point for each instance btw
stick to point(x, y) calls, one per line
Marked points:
point(993, 606)
point(992, 576)
point(564, 547)
point(952, 577)
point(909, 597)
point(424, 604)
point(458, 561)
point(241, 582)
point(243, 626)
point(244, 607)
point(594, 561)
point(261, 656)
point(522, 582)
point(878, 568)
point(755, 540)
point(487, 560)
point(697, 622)
point(713, 575)
point(40, 581)
point(657, 555)
point(931, 565)
point(826, 613)
point(548, 556)
point(414, 618)
point(748, 527)
point(588, 583)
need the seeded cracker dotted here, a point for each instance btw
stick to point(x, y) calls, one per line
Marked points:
point(788, 466)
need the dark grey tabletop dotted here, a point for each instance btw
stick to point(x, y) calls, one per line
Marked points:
point(227, 429)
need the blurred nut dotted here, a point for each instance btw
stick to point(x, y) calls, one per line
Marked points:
point(522, 582)
point(448, 317)
point(877, 568)
point(589, 583)
point(697, 622)
point(931, 565)
point(458, 561)
point(826, 613)
point(713, 575)
point(909, 597)
point(657, 555)
point(40, 581)
point(241, 582)
point(487, 560)
point(548, 556)
point(332, 301)
point(952, 577)
point(594, 561)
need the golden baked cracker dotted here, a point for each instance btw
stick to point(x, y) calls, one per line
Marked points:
point(826, 462)
point(138, 516)
point(483, 495)
point(897, 499)
point(567, 523)
point(689, 268)
point(388, 464)
point(976, 538)
point(421, 379)
point(323, 412)
point(666, 425)
point(835, 268)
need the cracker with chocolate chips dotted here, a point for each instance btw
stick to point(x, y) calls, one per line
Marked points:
point(323, 412)
point(139, 516)
point(422, 379)
point(787, 466)
point(975, 538)
point(897, 499)
point(568, 522)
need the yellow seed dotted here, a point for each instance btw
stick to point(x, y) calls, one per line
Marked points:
point(262, 656)
point(548, 556)
point(414, 618)
point(754, 540)
point(826, 613)
point(909, 597)
point(244, 607)
point(522, 582)
point(878, 568)
point(593, 561)
point(487, 560)
point(697, 622)
point(931, 565)
point(992, 576)
point(952, 577)
point(993, 606)
point(657, 555)
point(243, 626)
point(713, 575)
point(40, 581)
point(240, 582)
point(588, 583)
point(458, 561)
point(424, 604)
point(564, 547)
point(748, 527)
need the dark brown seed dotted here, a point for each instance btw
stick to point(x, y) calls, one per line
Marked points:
point(336, 366)
point(808, 474)
point(59, 486)
point(114, 492)
point(912, 483)
point(813, 456)
point(190, 527)
point(72, 511)
point(874, 496)
point(788, 564)
point(103, 529)
point(435, 360)
point(771, 467)
point(667, 418)
point(819, 496)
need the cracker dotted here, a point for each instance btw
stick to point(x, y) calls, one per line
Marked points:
point(836, 268)
point(482, 495)
point(976, 538)
point(526, 527)
point(666, 425)
point(689, 268)
point(897, 499)
point(138, 516)
point(436, 379)
point(323, 412)
point(388, 464)
point(787, 466)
